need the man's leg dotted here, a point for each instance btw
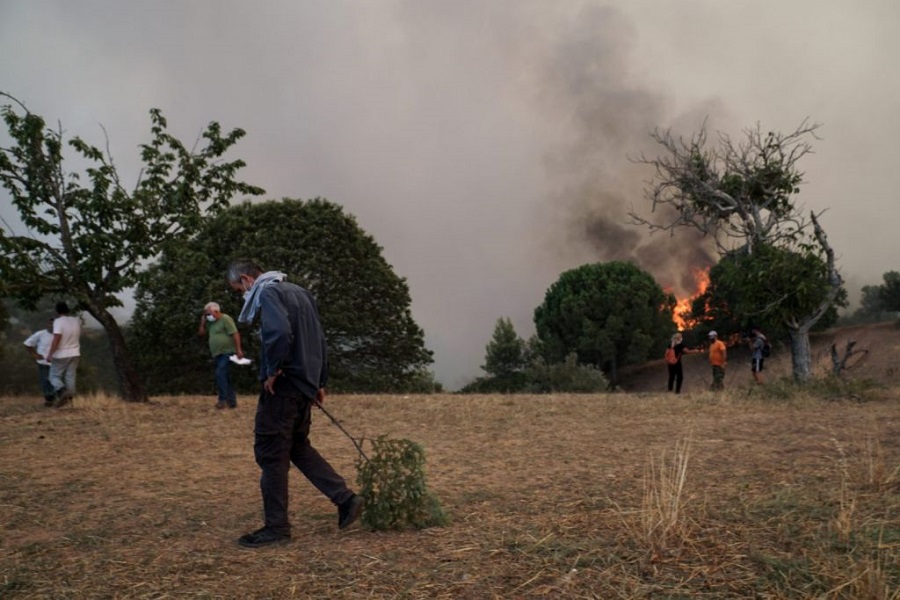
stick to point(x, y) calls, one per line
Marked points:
point(71, 373)
point(679, 377)
point(223, 384)
point(62, 378)
point(55, 376)
point(227, 396)
point(671, 376)
point(313, 466)
point(230, 394)
point(317, 470)
point(757, 367)
point(272, 447)
point(718, 382)
point(46, 388)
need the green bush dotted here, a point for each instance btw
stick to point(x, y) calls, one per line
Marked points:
point(565, 377)
point(513, 383)
point(825, 388)
point(541, 378)
point(392, 480)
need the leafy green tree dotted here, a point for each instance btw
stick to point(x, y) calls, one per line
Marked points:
point(877, 301)
point(374, 343)
point(889, 291)
point(505, 354)
point(608, 314)
point(86, 236)
point(749, 290)
point(741, 195)
point(871, 304)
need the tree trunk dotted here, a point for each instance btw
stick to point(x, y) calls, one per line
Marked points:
point(801, 355)
point(130, 388)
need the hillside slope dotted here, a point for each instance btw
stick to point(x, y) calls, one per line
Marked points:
point(880, 363)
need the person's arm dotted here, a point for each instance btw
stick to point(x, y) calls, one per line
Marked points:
point(32, 350)
point(202, 330)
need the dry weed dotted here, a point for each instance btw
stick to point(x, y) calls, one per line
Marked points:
point(663, 509)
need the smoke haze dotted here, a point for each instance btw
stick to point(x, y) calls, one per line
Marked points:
point(485, 145)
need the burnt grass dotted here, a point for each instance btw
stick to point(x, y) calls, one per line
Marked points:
point(640, 495)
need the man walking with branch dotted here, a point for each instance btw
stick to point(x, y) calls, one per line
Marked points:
point(293, 370)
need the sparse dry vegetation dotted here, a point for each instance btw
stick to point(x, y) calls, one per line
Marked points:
point(582, 496)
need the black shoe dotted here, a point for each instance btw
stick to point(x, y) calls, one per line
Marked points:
point(349, 511)
point(63, 397)
point(232, 406)
point(264, 537)
point(220, 405)
point(49, 401)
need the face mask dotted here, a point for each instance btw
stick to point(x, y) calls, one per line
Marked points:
point(210, 318)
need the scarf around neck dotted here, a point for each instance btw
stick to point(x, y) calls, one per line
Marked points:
point(251, 302)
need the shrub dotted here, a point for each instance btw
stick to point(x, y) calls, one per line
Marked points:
point(392, 480)
point(566, 377)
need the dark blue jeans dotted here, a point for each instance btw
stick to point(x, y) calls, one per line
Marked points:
point(44, 377)
point(282, 438)
point(223, 381)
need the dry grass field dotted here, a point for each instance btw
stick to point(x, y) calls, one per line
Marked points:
point(737, 495)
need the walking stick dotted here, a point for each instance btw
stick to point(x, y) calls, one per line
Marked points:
point(344, 431)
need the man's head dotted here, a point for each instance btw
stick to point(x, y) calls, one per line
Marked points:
point(241, 274)
point(212, 309)
point(62, 308)
point(713, 335)
point(50, 324)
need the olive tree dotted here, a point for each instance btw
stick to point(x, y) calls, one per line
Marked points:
point(86, 236)
point(742, 195)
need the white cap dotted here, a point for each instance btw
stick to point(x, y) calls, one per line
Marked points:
point(713, 334)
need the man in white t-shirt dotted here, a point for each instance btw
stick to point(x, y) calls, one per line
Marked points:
point(37, 346)
point(64, 353)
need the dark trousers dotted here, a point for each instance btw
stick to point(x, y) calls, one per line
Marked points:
point(46, 387)
point(282, 438)
point(676, 377)
point(718, 375)
point(227, 394)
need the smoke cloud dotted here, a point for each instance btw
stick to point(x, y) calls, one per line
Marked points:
point(485, 145)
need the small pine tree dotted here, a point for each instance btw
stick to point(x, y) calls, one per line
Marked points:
point(505, 354)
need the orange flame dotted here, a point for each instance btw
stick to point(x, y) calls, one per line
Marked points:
point(682, 310)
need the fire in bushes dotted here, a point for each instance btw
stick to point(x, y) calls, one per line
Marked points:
point(682, 313)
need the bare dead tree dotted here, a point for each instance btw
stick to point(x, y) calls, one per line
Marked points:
point(842, 363)
point(731, 191)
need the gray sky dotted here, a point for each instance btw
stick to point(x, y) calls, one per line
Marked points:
point(483, 143)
